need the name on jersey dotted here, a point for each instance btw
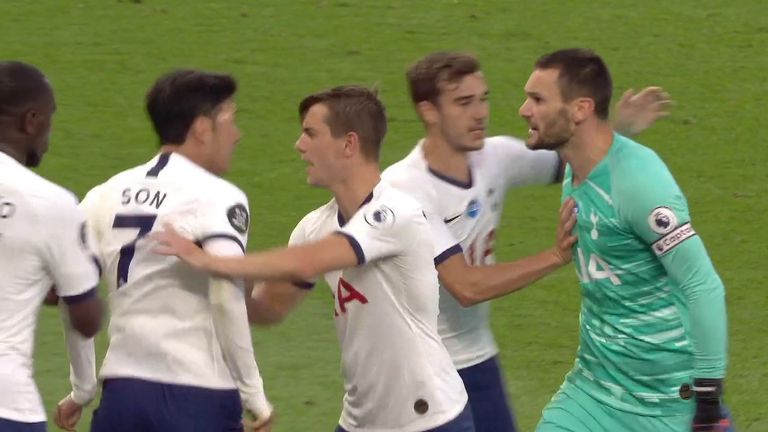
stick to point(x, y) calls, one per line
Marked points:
point(143, 196)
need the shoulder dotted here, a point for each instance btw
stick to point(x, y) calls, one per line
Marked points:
point(315, 223)
point(46, 196)
point(635, 166)
point(407, 169)
point(392, 200)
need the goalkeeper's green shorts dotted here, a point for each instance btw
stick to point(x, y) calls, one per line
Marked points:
point(573, 410)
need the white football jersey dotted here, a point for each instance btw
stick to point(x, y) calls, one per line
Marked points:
point(161, 328)
point(42, 244)
point(398, 375)
point(472, 213)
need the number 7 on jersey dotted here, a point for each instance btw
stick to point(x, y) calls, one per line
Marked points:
point(144, 224)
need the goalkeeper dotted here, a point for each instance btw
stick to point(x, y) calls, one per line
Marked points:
point(653, 333)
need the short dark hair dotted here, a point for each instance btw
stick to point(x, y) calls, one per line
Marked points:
point(20, 85)
point(582, 73)
point(427, 74)
point(179, 97)
point(352, 109)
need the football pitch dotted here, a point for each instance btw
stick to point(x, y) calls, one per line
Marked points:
point(102, 55)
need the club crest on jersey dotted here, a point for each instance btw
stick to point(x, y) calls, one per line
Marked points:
point(238, 218)
point(662, 220)
point(380, 217)
point(473, 208)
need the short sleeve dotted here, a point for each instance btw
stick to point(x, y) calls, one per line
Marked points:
point(446, 244)
point(380, 230)
point(225, 216)
point(299, 235)
point(68, 255)
point(520, 165)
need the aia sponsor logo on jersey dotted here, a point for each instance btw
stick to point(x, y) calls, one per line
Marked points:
point(345, 294)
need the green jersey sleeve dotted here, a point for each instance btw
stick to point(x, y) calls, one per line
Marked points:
point(653, 206)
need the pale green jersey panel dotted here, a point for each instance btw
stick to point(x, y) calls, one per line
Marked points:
point(653, 310)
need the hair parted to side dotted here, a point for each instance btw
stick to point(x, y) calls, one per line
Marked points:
point(427, 75)
point(582, 73)
point(352, 109)
point(179, 97)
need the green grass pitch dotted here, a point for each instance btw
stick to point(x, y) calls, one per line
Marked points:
point(102, 55)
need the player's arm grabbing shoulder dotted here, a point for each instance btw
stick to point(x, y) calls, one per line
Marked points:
point(521, 166)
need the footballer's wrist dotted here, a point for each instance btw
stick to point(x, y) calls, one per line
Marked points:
point(81, 398)
point(708, 389)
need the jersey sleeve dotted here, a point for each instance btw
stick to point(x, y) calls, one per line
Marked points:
point(300, 235)
point(522, 166)
point(89, 207)
point(224, 216)
point(446, 244)
point(657, 212)
point(380, 230)
point(67, 253)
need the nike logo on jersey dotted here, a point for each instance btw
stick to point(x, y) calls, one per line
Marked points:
point(451, 219)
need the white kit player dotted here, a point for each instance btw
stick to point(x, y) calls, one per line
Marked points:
point(42, 244)
point(373, 245)
point(462, 177)
point(180, 356)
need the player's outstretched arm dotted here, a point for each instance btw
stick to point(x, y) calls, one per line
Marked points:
point(475, 284)
point(636, 112)
point(301, 262)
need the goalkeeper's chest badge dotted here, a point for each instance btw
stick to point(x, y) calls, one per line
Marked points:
point(686, 392)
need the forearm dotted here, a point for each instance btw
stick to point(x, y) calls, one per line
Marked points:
point(482, 283)
point(704, 293)
point(230, 323)
point(270, 265)
point(82, 360)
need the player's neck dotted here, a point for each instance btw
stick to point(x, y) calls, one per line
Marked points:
point(188, 152)
point(586, 149)
point(16, 153)
point(355, 188)
point(444, 159)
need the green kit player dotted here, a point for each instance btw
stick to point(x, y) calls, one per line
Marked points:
point(653, 334)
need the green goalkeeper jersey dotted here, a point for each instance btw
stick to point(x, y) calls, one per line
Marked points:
point(653, 311)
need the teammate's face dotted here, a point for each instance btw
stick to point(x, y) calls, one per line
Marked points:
point(462, 112)
point(224, 137)
point(40, 120)
point(319, 149)
point(548, 116)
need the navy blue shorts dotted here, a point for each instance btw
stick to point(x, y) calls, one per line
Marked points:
point(131, 405)
point(487, 397)
point(462, 423)
point(14, 426)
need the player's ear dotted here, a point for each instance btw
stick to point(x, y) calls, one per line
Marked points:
point(351, 144)
point(29, 122)
point(583, 108)
point(201, 129)
point(427, 111)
